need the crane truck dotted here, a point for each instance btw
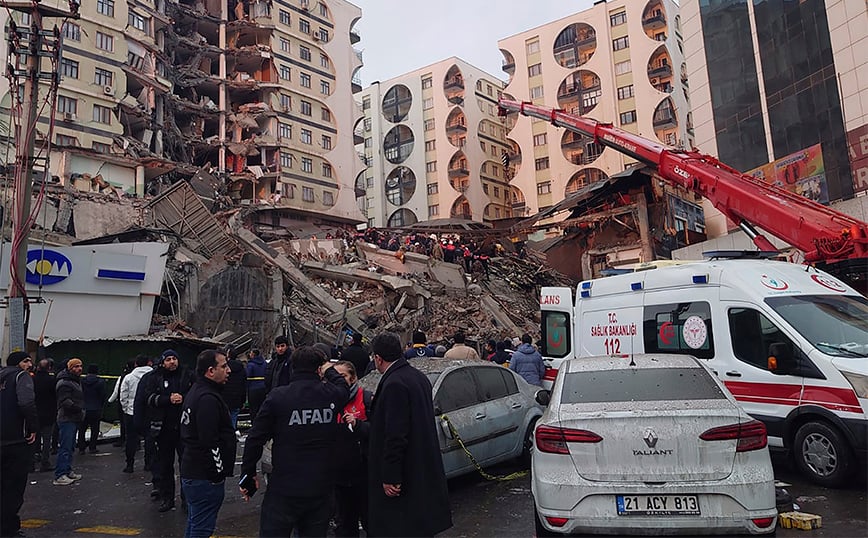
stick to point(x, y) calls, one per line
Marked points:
point(789, 341)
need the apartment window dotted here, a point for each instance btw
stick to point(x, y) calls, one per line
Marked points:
point(284, 44)
point(285, 72)
point(427, 82)
point(284, 131)
point(102, 77)
point(71, 31)
point(493, 150)
point(306, 108)
point(326, 170)
point(369, 142)
point(304, 52)
point(65, 140)
point(306, 164)
point(326, 142)
point(138, 22)
point(324, 87)
point(135, 61)
point(304, 26)
point(307, 194)
point(540, 139)
point(428, 103)
point(323, 34)
point(625, 92)
point(325, 114)
point(285, 160)
point(485, 188)
point(105, 42)
point(68, 68)
point(99, 147)
point(366, 103)
point(628, 117)
point(306, 136)
point(324, 61)
point(534, 70)
point(660, 36)
point(433, 210)
point(618, 19)
point(620, 43)
point(533, 47)
point(102, 114)
point(484, 147)
point(369, 182)
point(304, 80)
point(544, 188)
point(536, 92)
point(622, 68)
point(323, 10)
point(431, 166)
point(496, 191)
point(67, 105)
point(432, 188)
point(367, 124)
point(541, 163)
point(430, 145)
point(489, 90)
point(105, 7)
point(285, 101)
point(429, 124)
point(283, 17)
point(328, 198)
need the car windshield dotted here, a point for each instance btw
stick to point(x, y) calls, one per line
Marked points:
point(639, 385)
point(835, 324)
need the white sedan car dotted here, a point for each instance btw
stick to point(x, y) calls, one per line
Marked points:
point(649, 444)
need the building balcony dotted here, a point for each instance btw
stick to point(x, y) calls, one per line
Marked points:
point(573, 142)
point(660, 72)
point(508, 67)
point(459, 171)
point(654, 22)
point(461, 215)
point(358, 137)
point(354, 37)
point(455, 83)
point(356, 84)
point(456, 98)
point(663, 120)
point(456, 128)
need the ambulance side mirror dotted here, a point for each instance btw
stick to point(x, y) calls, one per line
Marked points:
point(780, 359)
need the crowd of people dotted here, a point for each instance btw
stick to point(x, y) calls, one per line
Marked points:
point(389, 476)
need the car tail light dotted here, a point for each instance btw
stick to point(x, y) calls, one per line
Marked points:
point(763, 522)
point(550, 374)
point(554, 440)
point(751, 435)
point(557, 521)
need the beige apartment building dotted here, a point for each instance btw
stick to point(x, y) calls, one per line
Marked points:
point(433, 144)
point(621, 62)
point(259, 93)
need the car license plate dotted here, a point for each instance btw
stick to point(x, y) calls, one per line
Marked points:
point(657, 505)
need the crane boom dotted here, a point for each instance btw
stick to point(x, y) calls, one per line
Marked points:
point(822, 233)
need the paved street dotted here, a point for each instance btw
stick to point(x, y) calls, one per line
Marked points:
point(109, 502)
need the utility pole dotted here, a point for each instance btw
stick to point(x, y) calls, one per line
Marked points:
point(29, 44)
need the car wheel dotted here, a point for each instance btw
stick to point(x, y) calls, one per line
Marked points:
point(822, 454)
point(527, 442)
point(538, 526)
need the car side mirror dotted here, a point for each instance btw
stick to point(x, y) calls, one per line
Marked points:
point(780, 358)
point(543, 397)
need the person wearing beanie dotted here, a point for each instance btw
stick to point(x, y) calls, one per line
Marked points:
point(419, 348)
point(70, 414)
point(280, 367)
point(256, 370)
point(93, 387)
point(18, 427)
point(165, 389)
point(490, 349)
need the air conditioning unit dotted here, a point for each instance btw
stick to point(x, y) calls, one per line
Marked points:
point(68, 116)
point(654, 81)
point(108, 90)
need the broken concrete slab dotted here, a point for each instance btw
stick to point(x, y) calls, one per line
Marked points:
point(348, 274)
point(448, 274)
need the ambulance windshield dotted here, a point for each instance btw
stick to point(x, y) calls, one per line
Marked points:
point(835, 324)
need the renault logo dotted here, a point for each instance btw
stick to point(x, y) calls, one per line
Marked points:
point(650, 438)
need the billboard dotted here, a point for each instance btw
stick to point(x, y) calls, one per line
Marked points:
point(802, 173)
point(857, 145)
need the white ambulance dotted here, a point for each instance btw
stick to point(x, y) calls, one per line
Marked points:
point(789, 341)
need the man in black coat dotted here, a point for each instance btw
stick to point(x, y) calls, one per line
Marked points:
point(406, 482)
point(235, 389)
point(301, 417)
point(44, 386)
point(93, 388)
point(279, 368)
point(357, 354)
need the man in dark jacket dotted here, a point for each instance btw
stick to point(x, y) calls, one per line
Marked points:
point(280, 366)
point(93, 387)
point(357, 354)
point(527, 362)
point(235, 389)
point(301, 417)
point(209, 444)
point(420, 348)
point(165, 389)
point(18, 426)
point(44, 386)
point(256, 368)
point(70, 413)
point(406, 481)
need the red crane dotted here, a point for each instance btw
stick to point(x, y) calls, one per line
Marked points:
point(829, 238)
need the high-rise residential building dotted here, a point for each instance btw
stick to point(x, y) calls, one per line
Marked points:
point(620, 62)
point(259, 93)
point(433, 145)
point(782, 82)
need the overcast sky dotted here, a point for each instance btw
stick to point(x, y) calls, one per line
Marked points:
point(399, 36)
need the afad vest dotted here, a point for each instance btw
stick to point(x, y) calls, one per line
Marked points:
point(356, 406)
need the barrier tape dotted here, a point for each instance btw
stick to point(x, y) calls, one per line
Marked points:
point(485, 475)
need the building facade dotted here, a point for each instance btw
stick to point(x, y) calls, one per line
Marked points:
point(433, 147)
point(258, 93)
point(620, 62)
point(782, 82)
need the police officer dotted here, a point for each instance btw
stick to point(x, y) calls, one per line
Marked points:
point(301, 417)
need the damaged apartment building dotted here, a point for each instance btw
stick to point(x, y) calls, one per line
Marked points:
point(258, 94)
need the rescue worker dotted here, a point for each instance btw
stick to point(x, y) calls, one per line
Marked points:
point(301, 418)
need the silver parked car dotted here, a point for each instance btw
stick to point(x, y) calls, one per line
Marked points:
point(649, 444)
point(492, 409)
